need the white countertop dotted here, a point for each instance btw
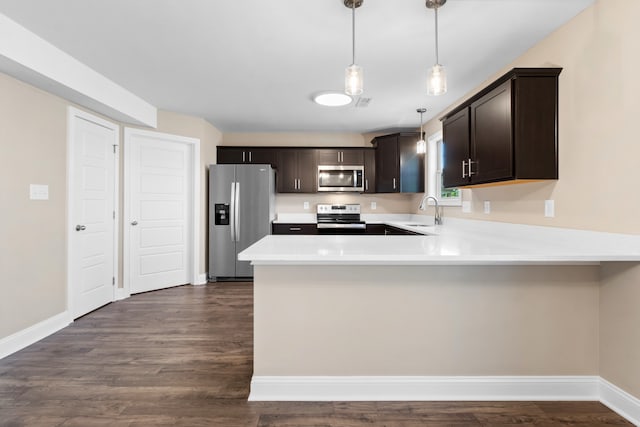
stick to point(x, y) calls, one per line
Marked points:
point(457, 242)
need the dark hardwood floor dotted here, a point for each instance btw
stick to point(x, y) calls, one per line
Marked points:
point(183, 356)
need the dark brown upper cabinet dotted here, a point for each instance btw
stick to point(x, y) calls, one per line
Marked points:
point(297, 170)
point(342, 156)
point(399, 168)
point(255, 155)
point(506, 132)
point(369, 170)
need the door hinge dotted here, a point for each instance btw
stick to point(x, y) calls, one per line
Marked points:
point(113, 281)
point(114, 214)
point(114, 148)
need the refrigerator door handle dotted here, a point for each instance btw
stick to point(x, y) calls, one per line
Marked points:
point(237, 212)
point(232, 212)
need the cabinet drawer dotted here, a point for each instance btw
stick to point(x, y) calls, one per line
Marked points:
point(281, 228)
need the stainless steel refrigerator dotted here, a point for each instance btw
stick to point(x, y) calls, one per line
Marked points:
point(241, 208)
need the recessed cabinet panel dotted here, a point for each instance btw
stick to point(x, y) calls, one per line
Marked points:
point(248, 155)
point(287, 177)
point(491, 142)
point(287, 228)
point(297, 170)
point(387, 164)
point(455, 131)
point(346, 156)
point(399, 168)
point(508, 131)
point(411, 165)
point(369, 170)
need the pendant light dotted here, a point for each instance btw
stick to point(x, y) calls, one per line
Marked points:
point(437, 78)
point(353, 75)
point(421, 145)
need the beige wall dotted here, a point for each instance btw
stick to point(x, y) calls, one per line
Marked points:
point(599, 106)
point(385, 203)
point(33, 138)
point(33, 149)
point(409, 320)
point(620, 326)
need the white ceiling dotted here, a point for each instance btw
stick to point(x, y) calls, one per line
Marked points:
point(253, 65)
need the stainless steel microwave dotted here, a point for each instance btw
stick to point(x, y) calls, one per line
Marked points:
point(341, 178)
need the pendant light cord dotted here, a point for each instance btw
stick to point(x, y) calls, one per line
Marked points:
point(437, 59)
point(353, 31)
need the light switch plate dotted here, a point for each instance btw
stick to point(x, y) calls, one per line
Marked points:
point(466, 207)
point(305, 205)
point(39, 192)
point(549, 209)
point(487, 207)
point(374, 206)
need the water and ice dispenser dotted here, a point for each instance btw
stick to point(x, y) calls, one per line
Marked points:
point(222, 214)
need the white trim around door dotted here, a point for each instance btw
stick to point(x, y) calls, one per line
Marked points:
point(193, 241)
point(74, 114)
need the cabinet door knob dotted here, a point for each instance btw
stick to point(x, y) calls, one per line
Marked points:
point(134, 223)
point(80, 227)
point(464, 165)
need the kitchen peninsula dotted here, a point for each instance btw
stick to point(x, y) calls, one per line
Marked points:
point(472, 310)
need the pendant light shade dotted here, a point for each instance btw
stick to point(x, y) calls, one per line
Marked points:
point(437, 78)
point(353, 80)
point(421, 145)
point(353, 74)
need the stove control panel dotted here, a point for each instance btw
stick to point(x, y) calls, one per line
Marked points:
point(353, 208)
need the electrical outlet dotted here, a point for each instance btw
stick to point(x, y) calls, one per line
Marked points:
point(374, 206)
point(38, 192)
point(305, 206)
point(487, 207)
point(466, 207)
point(549, 209)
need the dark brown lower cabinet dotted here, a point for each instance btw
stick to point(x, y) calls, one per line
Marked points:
point(311, 229)
point(285, 228)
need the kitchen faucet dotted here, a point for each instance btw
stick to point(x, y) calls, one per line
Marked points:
point(437, 218)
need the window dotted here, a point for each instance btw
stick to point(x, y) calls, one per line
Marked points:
point(435, 164)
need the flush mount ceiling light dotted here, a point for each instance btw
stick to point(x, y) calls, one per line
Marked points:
point(437, 79)
point(332, 99)
point(353, 75)
point(421, 145)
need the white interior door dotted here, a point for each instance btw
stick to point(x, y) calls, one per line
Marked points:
point(159, 184)
point(93, 143)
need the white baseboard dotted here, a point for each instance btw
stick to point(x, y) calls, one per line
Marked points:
point(33, 334)
point(202, 279)
point(477, 388)
point(121, 294)
point(620, 401)
point(383, 388)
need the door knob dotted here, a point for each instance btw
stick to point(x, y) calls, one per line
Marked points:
point(80, 227)
point(134, 223)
